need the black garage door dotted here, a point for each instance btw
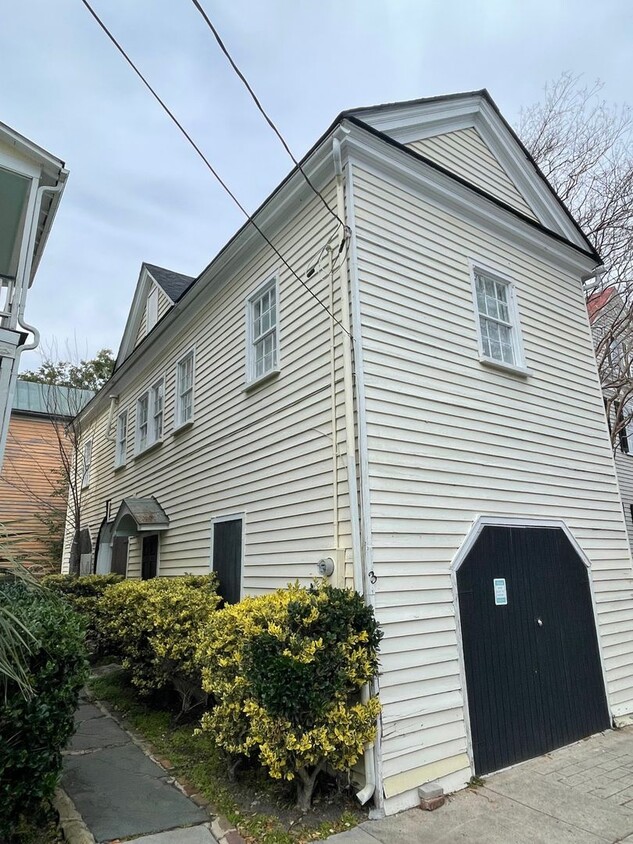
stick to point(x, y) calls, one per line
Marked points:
point(530, 646)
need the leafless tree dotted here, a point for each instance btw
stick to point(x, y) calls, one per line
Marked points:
point(584, 146)
point(67, 383)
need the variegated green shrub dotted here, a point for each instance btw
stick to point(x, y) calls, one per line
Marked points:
point(285, 671)
point(153, 626)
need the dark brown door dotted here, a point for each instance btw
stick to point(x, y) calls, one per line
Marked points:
point(149, 564)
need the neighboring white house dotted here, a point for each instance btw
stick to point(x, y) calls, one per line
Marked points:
point(31, 185)
point(609, 315)
point(418, 408)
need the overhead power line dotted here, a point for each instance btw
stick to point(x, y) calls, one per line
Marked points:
point(266, 117)
point(212, 169)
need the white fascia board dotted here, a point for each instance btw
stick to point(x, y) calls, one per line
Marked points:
point(160, 287)
point(439, 188)
point(538, 195)
point(31, 152)
point(238, 252)
point(133, 321)
point(408, 122)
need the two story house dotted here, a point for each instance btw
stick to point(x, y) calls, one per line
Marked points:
point(398, 391)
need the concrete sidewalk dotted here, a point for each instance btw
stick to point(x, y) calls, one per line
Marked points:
point(582, 794)
point(121, 793)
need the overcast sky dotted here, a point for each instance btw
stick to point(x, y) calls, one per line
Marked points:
point(136, 189)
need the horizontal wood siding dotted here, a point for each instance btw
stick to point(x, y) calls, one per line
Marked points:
point(29, 486)
point(449, 439)
point(624, 466)
point(266, 452)
point(465, 153)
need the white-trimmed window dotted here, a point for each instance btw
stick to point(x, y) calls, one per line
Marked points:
point(87, 462)
point(184, 389)
point(262, 331)
point(498, 319)
point(121, 439)
point(152, 309)
point(149, 416)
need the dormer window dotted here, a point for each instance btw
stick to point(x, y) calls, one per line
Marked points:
point(152, 309)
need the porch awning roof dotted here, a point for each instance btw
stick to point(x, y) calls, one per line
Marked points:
point(139, 515)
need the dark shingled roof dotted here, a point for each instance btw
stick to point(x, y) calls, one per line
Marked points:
point(174, 284)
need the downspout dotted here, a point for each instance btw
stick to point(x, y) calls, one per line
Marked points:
point(114, 400)
point(369, 790)
point(335, 510)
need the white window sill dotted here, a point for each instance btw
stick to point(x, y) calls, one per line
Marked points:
point(182, 427)
point(148, 448)
point(119, 466)
point(263, 379)
point(510, 368)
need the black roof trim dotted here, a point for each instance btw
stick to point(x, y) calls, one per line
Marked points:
point(413, 154)
point(485, 94)
point(350, 115)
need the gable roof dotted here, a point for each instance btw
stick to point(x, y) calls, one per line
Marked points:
point(402, 122)
point(174, 284)
point(598, 300)
point(465, 105)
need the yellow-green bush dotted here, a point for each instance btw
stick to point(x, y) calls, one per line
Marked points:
point(285, 671)
point(153, 625)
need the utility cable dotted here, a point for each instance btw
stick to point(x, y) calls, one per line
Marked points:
point(268, 119)
point(208, 163)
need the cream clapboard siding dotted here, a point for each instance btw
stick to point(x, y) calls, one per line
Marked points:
point(465, 153)
point(624, 468)
point(164, 305)
point(266, 453)
point(449, 439)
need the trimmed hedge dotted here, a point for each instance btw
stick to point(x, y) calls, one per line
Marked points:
point(153, 627)
point(85, 593)
point(286, 670)
point(34, 728)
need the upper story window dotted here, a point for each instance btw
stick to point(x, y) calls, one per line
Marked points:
point(149, 416)
point(152, 309)
point(498, 320)
point(87, 462)
point(184, 389)
point(121, 439)
point(262, 331)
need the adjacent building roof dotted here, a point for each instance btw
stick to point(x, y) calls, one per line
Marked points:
point(48, 400)
point(598, 300)
point(174, 284)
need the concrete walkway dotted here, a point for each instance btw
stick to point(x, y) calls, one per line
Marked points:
point(122, 793)
point(581, 794)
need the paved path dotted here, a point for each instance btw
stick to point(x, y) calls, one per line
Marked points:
point(581, 794)
point(120, 792)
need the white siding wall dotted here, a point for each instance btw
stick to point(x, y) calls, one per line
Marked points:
point(164, 304)
point(449, 440)
point(624, 467)
point(465, 153)
point(267, 453)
